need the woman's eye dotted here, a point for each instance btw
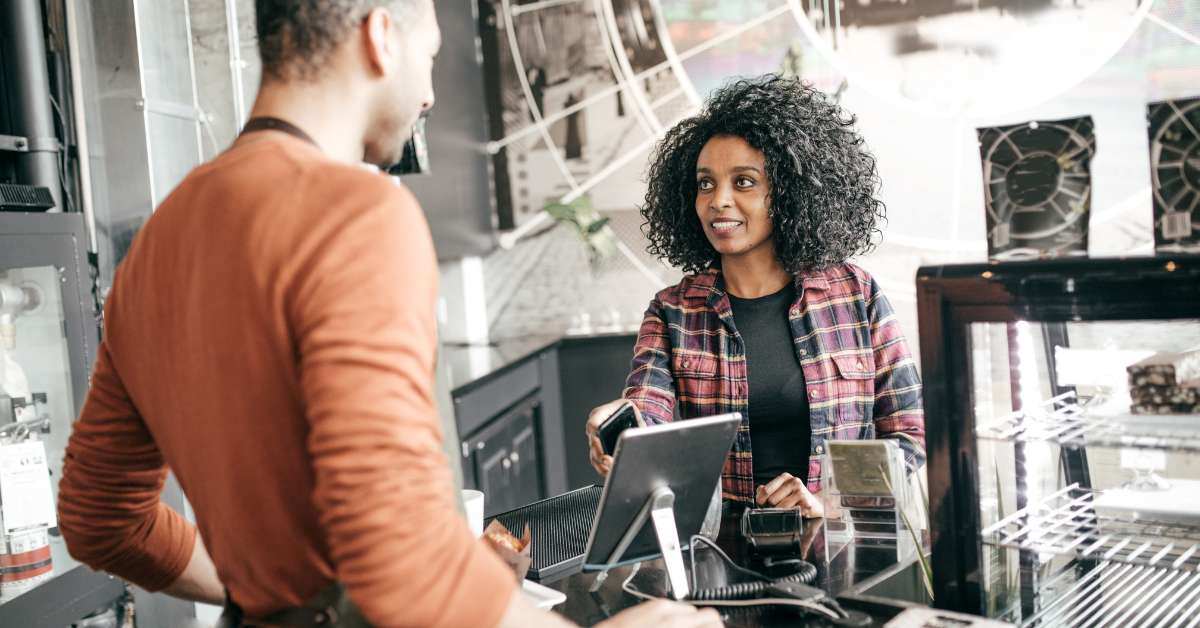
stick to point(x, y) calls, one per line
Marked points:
point(745, 182)
point(704, 185)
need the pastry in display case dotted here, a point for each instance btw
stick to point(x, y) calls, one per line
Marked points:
point(1064, 439)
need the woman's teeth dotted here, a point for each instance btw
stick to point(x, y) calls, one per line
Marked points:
point(725, 225)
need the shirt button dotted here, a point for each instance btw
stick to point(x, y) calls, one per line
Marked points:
point(820, 449)
point(815, 394)
point(859, 364)
point(686, 363)
point(803, 352)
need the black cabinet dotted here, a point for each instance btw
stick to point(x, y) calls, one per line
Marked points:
point(510, 426)
point(521, 427)
point(503, 460)
point(526, 476)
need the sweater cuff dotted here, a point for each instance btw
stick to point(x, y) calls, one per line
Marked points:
point(166, 553)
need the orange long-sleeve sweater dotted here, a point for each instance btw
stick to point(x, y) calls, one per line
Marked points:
point(270, 339)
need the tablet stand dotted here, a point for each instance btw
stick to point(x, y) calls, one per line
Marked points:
point(659, 509)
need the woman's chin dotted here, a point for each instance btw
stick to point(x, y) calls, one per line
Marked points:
point(726, 248)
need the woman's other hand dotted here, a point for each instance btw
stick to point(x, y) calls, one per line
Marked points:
point(787, 491)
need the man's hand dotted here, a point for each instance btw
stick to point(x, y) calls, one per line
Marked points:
point(787, 491)
point(663, 614)
point(602, 462)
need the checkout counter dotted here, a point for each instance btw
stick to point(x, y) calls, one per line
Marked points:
point(763, 567)
point(863, 577)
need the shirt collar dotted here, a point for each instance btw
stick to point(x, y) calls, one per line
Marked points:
point(815, 280)
point(710, 285)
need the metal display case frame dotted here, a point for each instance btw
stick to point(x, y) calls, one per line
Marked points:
point(1053, 293)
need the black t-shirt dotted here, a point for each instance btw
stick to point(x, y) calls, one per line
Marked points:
point(780, 433)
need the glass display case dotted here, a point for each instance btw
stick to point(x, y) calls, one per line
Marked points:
point(1063, 420)
point(48, 335)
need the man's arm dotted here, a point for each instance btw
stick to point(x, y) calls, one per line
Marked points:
point(362, 308)
point(898, 411)
point(199, 581)
point(109, 510)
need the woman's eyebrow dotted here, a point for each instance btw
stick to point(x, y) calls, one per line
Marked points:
point(703, 170)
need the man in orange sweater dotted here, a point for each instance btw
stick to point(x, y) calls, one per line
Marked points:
point(270, 339)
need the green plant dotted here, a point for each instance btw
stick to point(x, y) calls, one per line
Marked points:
point(589, 225)
point(926, 569)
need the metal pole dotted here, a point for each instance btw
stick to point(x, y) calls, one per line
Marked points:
point(23, 47)
point(81, 129)
point(236, 64)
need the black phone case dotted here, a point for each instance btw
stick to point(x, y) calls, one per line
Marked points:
point(612, 427)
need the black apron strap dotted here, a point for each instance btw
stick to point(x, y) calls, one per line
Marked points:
point(267, 123)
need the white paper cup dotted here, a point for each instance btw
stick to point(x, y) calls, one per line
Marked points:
point(473, 505)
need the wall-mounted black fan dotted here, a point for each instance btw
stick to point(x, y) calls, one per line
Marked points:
point(1037, 186)
point(1175, 173)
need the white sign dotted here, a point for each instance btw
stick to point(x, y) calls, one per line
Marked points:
point(26, 499)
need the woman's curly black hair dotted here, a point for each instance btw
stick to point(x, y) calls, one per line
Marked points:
point(823, 181)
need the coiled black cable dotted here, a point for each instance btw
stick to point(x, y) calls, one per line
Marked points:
point(806, 574)
point(750, 590)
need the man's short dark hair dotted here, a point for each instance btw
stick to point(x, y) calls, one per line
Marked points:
point(296, 37)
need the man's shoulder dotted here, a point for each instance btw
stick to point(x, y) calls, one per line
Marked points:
point(311, 181)
point(360, 187)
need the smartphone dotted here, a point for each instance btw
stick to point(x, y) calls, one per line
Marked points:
point(610, 429)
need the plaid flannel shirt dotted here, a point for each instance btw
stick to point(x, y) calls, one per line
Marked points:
point(862, 381)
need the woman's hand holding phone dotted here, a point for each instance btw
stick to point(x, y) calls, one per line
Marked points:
point(601, 461)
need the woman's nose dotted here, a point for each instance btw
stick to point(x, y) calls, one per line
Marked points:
point(722, 198)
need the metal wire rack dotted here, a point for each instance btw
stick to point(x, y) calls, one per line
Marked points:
point(1066, 421)
point(1068, 523)
point(1120, 595)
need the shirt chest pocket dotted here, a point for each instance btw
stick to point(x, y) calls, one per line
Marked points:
point(694, 366)
point(697, 383)
point(855, 376)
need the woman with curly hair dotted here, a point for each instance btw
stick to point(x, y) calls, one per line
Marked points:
point(762, 198)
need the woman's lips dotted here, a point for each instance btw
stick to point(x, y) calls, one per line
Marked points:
point(725, 227)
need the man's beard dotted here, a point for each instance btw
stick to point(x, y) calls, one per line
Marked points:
point(385, 143)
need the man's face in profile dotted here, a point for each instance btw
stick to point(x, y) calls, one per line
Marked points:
point(407, 91)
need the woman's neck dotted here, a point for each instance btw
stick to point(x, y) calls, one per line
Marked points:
point(754, 274)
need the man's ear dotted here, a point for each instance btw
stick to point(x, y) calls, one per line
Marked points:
point(381, 46)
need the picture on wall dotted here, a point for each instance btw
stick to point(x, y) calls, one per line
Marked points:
point(1037, 186)
point(986, 58)
point(1175, 174)
point(562, 107)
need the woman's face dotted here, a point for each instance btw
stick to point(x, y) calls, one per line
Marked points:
point(732, 196)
